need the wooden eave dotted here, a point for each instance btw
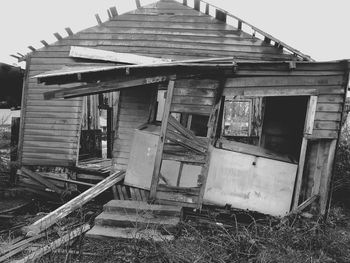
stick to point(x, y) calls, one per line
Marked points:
point(121, 77)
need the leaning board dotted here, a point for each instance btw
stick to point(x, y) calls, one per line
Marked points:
point(249, 182)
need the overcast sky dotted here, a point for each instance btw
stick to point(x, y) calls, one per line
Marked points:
point(319, 28)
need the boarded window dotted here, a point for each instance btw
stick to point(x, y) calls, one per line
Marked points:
point(237, 118)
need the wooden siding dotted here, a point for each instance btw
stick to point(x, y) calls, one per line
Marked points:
point(329, 89)
point(134, 109)
point(164, 29)
point(194, 96)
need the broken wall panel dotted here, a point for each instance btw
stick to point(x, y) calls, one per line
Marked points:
point(134, 109)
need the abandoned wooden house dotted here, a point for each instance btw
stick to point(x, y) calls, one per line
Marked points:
point(198, 111)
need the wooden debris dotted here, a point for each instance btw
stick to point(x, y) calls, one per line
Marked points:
point(58, 36)
point(69, 31)
point(48, 220)
point(99, 21)
point(55, 244)
point(31, 48)
point(44, 43)
point(113, 11)
point(37, 177)
point(67, 180)
point(98, 54)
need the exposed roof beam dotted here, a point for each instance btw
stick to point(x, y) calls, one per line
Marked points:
point(108, 86)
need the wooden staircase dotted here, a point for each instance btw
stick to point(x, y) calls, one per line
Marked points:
point(136, 219)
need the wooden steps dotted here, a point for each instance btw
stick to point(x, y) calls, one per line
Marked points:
point(136, 219)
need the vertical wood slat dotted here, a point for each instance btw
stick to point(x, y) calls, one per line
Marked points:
point(326, 179)
point(197, 5)
point(317, 174)
point(213, 122)
point(300, 173)
point(239, 25)
point(310, 116)
point(184, 2)
point(220, 15)
point(23, 110)
point(161, 140)
point(138, 4)
point(207, 9)
point(98, 19)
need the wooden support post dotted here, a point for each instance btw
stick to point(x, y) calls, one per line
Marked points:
point(69, 31)
point(44, 43)
point(161, 141)
point(109, 132)
point(98, 19)
point(207, 6)
point(58, 36)
point(325, 186)
point(197, 5)
point(299, 178)
point(310, 115)
point(213, 122)
point(184, 2)
point(138, 4)
point(64, 210)
point(15, 124)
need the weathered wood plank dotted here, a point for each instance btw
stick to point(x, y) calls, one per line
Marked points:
point(161, 141)
point(50, 219)
point(37, 177)
point(194, 109)
point(299, 177)
point(274, 91)
point(328, 116)
point(310, 115)
point(326, 125)
point(283, 81)
point(200, 92)
point(189, 100)
point(99, 54)
point(329, 107)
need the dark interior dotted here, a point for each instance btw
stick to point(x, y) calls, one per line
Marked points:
point(283, 124)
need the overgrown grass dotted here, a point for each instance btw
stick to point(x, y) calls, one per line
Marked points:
point(293, 240)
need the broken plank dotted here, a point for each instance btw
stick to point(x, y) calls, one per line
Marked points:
point(98, 54)
point(64, 210)
point(37, 177)
point(55, 244)
point(97, 88)
point(185, 142)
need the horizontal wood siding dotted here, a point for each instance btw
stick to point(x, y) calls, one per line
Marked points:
point(134, 108)
point(330, 91)
point(194, 96)
point(164, 29)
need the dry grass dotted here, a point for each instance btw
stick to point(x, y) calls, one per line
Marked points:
point(294, 240)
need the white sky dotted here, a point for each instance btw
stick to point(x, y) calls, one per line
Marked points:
point(319, 28)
